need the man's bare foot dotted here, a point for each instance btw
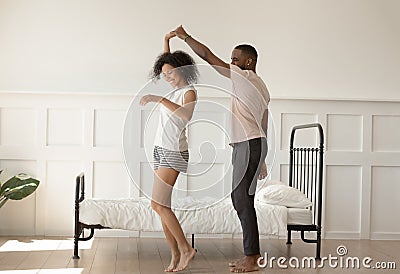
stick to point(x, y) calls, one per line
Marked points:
point(248, 264)
point(175, 257)
point(185, 259)
point(236, 262)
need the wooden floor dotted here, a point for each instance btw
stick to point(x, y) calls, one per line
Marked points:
point(22, 255)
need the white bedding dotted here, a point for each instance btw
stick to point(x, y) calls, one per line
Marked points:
point(299, 216)
point(219, 218)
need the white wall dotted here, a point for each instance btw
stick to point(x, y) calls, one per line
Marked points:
point(308, 48)
point(58, 136)
point(68, 70)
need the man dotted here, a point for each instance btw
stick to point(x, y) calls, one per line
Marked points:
point(250, 100)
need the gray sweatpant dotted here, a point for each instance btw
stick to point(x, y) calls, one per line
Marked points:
point(247, 159)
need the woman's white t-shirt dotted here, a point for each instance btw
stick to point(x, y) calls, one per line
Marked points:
point(171, 131)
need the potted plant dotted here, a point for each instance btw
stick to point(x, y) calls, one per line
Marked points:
point(17, 187)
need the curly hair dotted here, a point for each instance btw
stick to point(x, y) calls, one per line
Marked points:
point(177, 59)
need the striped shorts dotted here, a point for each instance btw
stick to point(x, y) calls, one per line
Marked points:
point(177, 160)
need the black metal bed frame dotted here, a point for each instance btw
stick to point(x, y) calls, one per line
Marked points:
point(306, 174)
point(79, 227)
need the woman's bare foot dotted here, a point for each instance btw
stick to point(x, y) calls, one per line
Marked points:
point(248, 264)
point(186, 258)
point(175, 258)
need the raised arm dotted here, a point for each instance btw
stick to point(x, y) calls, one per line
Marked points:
point(203, 52)
point(167, 37)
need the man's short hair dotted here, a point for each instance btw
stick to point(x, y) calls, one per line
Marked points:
point(248, 50)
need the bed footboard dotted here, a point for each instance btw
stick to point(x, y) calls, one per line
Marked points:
point(306, 174)
point(78, 226)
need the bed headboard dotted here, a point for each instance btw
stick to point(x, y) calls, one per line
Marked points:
point(306, 169)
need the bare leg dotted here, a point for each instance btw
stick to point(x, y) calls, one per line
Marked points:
point(162, 192)
point(175, 254)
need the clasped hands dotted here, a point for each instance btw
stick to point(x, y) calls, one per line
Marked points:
point(179, 32)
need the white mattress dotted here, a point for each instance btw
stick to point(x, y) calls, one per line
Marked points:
point(220, 218)
point(299, 216)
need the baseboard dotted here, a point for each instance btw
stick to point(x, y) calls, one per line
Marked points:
point(385, 236)
point(338, 235)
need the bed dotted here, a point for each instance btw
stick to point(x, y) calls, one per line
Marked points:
point(281, 209)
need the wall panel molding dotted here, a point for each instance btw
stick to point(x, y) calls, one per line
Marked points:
point(361, 145)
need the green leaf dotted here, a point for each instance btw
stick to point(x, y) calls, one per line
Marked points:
point(19, 187)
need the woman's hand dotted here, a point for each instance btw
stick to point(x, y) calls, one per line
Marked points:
point(169, 35)
point(150, 98)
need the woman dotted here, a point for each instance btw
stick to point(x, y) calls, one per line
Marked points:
point(171, 149)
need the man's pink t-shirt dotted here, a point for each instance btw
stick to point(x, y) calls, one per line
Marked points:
point(249, 101)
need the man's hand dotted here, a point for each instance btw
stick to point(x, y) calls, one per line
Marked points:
point(263, 172)
point(150, 98)
point(180, 32)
